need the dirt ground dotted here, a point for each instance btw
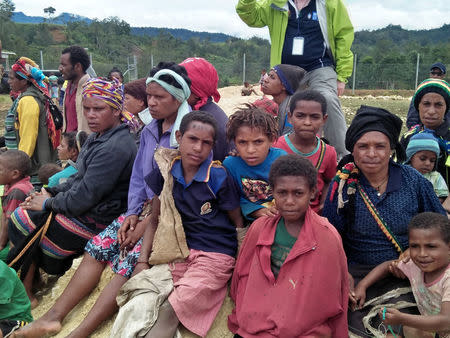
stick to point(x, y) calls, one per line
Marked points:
point(231, 98)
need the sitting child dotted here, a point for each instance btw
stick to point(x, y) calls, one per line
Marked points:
point(248, 89)
point(422, 154)
point(68, 151)
point(46, 171)
point(253, 132)
point(208, 203)
point(291, 275)
point(15, 165)
point(428, 271)
point(308, 114)
point(15, 307)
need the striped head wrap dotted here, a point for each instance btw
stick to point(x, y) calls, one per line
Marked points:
point(438, 86)
point(181, 95)
point(29, 70)
point(109, 91)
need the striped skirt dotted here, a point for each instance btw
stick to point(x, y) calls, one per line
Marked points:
point(65, 238)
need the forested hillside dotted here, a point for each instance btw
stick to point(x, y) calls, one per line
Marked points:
point(386, 57)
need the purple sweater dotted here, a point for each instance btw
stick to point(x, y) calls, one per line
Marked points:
point(144, 163)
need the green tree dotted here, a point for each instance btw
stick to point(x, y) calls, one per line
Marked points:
point(7, 8)
point(49, 11)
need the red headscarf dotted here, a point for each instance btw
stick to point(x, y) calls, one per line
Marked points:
point(204, 79)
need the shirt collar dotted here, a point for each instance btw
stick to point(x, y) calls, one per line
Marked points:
point(202, 174)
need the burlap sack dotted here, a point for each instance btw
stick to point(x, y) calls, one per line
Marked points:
point(169, 243)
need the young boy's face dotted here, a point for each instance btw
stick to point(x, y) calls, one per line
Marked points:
point(292, 196)
point(252, 145)
point(272, 84)
point(429, 251)
point(196, 143)
point(423, 161)
point(307, 119)
point(6, 174)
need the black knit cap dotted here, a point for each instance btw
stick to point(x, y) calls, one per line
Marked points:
point(375, 119)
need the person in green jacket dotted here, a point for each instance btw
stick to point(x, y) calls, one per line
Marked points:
point(315, 35)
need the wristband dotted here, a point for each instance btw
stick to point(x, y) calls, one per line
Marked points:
point(43, 204)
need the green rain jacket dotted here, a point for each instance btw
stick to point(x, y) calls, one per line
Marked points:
point(334, 21)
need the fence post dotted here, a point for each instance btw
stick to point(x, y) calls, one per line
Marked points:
point(151, 61)
point(417, 70)
point(243, 69)
point(42, 61)
point(354, 73)
point(135, 67)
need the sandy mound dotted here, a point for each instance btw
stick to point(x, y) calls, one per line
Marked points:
point(53, 289)
point(231, 98)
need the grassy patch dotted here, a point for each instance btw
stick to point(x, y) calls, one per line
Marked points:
point(395, 104)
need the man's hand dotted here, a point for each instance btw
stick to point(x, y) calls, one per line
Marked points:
point(340, 88)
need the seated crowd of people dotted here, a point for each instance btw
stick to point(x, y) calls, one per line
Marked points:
point(187, 205)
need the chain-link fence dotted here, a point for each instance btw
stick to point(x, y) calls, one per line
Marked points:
point(245, 68)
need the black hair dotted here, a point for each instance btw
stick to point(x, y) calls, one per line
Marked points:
point(75, 140)
point(78, 54)
point(432, 220)
point(115, 70)
point(60, 80)
point(136, 89)
point(48, 170)
point(180, 70)
point(17, 160)
point(199, 116)
point(251, 116)
point(293, 165)
point(308, 95)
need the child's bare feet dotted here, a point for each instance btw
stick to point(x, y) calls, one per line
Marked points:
point(39, 328)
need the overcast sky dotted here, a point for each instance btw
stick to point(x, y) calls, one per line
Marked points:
point(220, 15)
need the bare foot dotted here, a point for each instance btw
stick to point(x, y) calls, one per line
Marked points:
point(39, 328)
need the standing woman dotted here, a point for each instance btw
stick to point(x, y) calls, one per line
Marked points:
point(120, 243)
point(88, 201)
point(25, 123)
point(371, 201)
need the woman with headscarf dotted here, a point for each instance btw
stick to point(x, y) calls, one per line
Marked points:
point(204, 80)
point(432, 101)
point(372, 199)
point(120, 243)
point(26, 122)
point(88, 201)
point(282, 82)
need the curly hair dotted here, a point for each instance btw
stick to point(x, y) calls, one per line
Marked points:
point(293, 165)
point(180, 70)
point(431, 220)
point(78, 54)
point(136, 89)
point(251, 116)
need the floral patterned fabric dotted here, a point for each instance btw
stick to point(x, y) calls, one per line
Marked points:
point(105, 248)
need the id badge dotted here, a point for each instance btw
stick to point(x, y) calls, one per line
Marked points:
point(297, 45)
